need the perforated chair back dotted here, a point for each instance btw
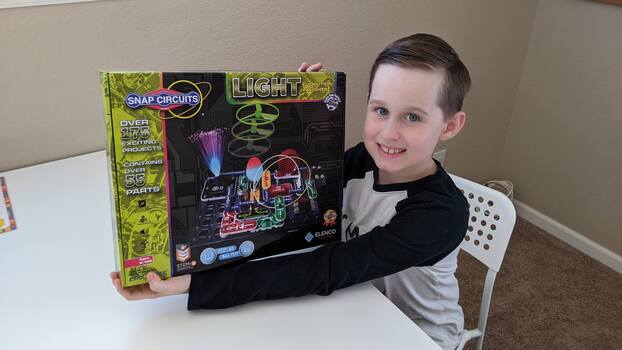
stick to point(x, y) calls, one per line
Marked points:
point(491, 221)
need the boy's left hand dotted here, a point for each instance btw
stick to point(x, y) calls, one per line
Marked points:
point(306, 67)
point(155, 289)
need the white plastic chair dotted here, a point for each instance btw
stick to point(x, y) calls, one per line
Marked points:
point(491, 221)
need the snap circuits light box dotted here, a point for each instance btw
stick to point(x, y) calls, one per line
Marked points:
point(208, 168)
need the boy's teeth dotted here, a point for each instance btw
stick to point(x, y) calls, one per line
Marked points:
point(391, 150)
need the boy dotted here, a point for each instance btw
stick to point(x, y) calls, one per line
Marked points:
point(403, 218)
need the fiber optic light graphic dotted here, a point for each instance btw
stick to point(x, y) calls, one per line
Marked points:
point(209, 143)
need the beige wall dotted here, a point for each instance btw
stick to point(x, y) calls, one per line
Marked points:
point(557, 135)
point(50, 103)
point(564, 146)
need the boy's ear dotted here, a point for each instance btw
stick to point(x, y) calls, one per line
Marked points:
point(453, 126)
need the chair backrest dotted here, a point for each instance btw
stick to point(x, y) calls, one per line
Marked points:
point(491, 221)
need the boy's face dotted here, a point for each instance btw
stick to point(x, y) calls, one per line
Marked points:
point(404, 122)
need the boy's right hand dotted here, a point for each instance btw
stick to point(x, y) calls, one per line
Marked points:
point(305, 67)
point(155, 289)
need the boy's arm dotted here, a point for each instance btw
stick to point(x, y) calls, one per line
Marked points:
point(418, 235)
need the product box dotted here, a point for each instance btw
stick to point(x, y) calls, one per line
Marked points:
point(7, 220)
point(209, 168)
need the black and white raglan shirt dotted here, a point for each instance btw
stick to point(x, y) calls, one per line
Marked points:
point(403, 237)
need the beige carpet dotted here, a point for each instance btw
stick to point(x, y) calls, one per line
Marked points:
point(547, 295)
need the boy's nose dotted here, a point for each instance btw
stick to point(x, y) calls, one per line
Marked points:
point(391, 130)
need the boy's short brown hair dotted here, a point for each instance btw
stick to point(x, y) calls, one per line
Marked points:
point(429, 52)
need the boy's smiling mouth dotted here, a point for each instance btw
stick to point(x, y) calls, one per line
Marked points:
point(390, 152)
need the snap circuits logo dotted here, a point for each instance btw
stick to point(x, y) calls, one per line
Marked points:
point(163, 99)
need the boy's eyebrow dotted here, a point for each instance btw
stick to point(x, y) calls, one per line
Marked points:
point(414, 108)
point(420, 110)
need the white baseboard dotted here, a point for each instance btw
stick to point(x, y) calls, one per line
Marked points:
point(569, 236)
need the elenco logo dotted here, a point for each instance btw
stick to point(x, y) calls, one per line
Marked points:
point(163, 99)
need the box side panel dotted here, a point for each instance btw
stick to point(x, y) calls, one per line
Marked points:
point(136, 137)
point(340, 87)
point(111, 173)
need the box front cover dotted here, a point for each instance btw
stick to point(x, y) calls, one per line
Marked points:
point(210, 168)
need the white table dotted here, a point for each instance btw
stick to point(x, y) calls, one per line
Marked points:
point(55, 292)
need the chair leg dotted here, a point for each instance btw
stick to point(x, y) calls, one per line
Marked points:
point(483, 312)
point(480, 342)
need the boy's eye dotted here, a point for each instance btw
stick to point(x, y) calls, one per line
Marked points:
point(382, 111)
point(412, 117)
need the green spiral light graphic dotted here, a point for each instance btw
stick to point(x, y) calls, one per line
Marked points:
point(251, 132)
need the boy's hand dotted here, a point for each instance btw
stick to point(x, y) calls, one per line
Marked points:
point(155, 289)
point(305, 67)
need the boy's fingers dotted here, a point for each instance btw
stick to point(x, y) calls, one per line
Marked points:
point(314, 68)
point(303, 67)
point(143, 291)
point(117, 285)
point(155, 282)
